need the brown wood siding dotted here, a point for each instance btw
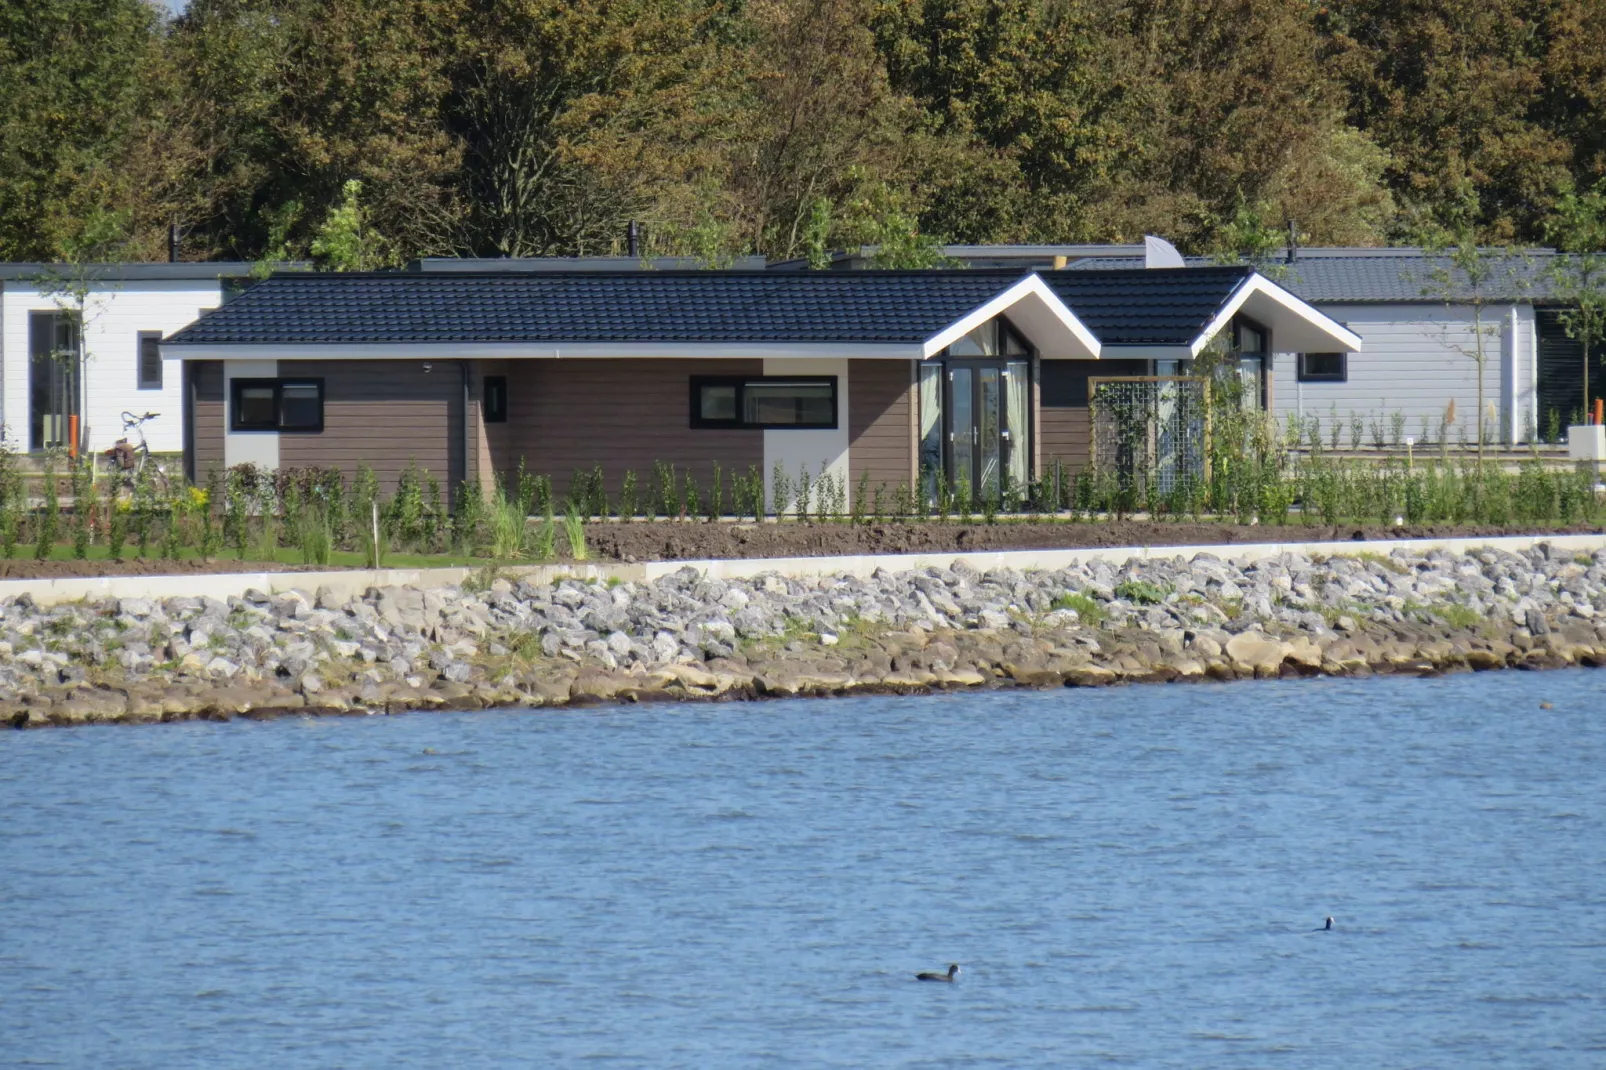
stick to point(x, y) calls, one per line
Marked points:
point(621, 414)
point(207, 414)
point(384, 413)
point(879, 414)
point(1065, 430)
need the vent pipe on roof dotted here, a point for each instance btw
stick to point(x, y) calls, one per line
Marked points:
point(1159, 253)
point(1293, 242)
point(633, 239)
point(174, 235)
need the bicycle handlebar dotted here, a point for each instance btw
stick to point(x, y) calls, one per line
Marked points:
point(130, 420)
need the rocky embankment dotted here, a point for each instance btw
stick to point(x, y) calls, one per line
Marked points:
point(511, 643)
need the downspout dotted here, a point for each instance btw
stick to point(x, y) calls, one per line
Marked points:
point(1512, 328)
point(463, 368)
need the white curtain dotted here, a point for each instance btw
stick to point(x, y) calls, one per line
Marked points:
point(1017, 385)
point(930, 427)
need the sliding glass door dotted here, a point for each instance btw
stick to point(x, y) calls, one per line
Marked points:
point(54, 379)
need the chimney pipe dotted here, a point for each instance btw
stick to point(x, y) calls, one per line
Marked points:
point(633, 239)
point(173, 235)
point(1293, 242)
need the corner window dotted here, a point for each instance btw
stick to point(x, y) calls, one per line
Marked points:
point(150, 360)
point(1323, 368)
point(276, 405)
point(773, 401)
point(493, 402)
point(1251, 340)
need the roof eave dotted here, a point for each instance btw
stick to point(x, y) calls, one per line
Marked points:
point(1037, 312)
point(178, 350)
point(1296, 325)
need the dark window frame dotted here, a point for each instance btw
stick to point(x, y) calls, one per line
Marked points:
point(740, 382)
point(141, 382)
point(493, 413)
point(1305, 375)
point(278, 385)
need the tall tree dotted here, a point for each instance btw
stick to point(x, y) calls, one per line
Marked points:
point(79, 95)
point(573, 118)
point(1455, 92)
point(292, 99)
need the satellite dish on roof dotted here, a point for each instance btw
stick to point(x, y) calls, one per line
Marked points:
point(1159, 253)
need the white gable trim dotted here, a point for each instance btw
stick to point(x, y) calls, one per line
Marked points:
point(1039, 314)
point(1278, 304)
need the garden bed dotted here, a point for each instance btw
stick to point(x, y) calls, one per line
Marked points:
point(668, 541)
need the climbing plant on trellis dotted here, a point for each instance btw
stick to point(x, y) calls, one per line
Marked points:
point(1149, 434)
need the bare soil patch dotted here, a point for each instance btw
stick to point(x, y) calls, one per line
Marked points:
point(691, 541)
point(30, 569)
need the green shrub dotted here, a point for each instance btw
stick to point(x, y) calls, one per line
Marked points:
point(627, 496)
point(83, 509)
point(116, 521)
point(508, 524)
point(1141, 592)
point(314, 536)
point(211, 540)
point(543, 545)
point(50, 517)
point(468, 516)
point(1087, 609)
point(574, 529)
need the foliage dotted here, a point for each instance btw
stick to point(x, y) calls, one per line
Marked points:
point(574, 529)
point(1578, 280)
point(367, 132)
point(346, 240)
point(1085, 608)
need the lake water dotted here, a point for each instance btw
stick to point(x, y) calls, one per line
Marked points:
point(1127, 877)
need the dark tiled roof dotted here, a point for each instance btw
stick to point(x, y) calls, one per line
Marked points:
point(1156, 306)
point(730, 307)
point(637, 306)
point(1387, 277)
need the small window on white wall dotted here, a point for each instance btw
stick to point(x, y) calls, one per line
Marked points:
point(150, 360)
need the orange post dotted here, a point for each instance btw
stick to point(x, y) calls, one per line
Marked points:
point(1600, 411)
point(72, 436)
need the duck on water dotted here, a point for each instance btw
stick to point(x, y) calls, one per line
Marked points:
point(953, 971)
point(1325, 928)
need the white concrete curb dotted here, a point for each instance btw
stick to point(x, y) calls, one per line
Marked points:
point(348, 583)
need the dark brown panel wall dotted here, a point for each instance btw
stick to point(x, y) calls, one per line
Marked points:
point(1065, 429)
point(878, 421)
point(385, 413)
point(208, 416)
point(621, 414)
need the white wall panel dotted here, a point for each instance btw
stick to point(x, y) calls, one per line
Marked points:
point(1414, 361)
point(114, 314)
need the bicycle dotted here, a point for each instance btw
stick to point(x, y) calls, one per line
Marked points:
point(130, 459)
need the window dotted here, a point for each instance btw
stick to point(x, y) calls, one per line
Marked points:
point(494, 401)
point(1251, 340)
point(1323, 368)
point(55, 378)
point(277, 405)
point(797, 402)
point(993, 338)
point(150, 360)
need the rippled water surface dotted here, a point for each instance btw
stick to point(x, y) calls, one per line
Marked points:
point(1127, 876)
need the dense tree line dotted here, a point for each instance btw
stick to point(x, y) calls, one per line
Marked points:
point(371, 131)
